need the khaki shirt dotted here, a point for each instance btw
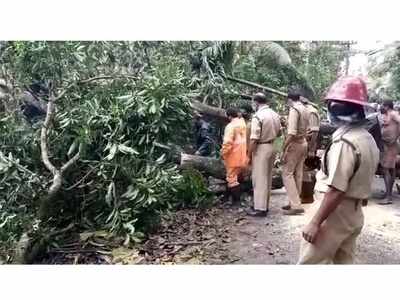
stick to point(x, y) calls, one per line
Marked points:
point(248, 132)
point(265, 125)
point(341, 163)
point(298, 119)
point(390, 127)
point(314, 121)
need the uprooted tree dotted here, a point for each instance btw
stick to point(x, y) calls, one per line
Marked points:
point(97, 161)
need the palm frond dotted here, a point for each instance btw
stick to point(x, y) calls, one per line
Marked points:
point(278, 53)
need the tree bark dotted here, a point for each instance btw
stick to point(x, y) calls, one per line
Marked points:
point(256, 85)
point(56, 172)
point(215, 167)
point(212, 111)
point(212, 166)
point(262, 87)
point(220, 115)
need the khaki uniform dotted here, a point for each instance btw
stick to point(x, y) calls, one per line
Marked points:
point(390, 135)
point(246, 174)
point(234, 150)
point(296, 152)
point(265, 127)
point(349, 166)
point(313, 127)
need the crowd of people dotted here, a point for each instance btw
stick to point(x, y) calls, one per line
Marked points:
point(348, 163)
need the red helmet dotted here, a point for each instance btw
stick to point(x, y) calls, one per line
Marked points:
point(349, 89)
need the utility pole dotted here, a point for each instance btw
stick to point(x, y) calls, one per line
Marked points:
point(347, 58)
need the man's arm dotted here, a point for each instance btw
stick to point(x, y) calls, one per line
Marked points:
point(313, 141)
point(254, 137)
point(228, 142)
point(288, 141)
point(341, 163)
point(292, 121)
point(252, 148)
point(330, 202)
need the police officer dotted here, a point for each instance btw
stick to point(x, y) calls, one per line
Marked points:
point(265, 128)
point(294, 152)
point(313, 127)
point(344, 182)
point(247, 111)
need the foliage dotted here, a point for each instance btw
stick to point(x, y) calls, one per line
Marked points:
point(193, 191)
point(321, 64)
point(123, 179)
point(122, 101)
point(385, 72)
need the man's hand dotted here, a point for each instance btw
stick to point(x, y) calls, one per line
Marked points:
point(310, 232)
point(249, 159)
point(283, 157)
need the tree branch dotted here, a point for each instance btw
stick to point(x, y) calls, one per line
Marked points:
point(107, 77)
point(256, 85)
point(265, 88)
point(43, 135)
point(101, 77)
point(72, 161)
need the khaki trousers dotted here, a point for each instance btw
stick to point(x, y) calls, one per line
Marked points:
point(336, 241)
point(292, 172)
point(261, 173)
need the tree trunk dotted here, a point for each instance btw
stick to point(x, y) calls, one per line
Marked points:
point(256, 85)
point(211, 166)
point(215, 168)
point(220, 115)
point(212, 111)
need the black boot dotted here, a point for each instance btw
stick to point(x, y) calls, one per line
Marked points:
point(257, 213)
point(235, 192)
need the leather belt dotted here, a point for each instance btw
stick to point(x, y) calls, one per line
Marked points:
point(299, 138)
point(268, 142)
point(357, 202)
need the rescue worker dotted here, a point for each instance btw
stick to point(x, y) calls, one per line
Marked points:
point(32, 105)
point(313, 127)
point(265, 128)
point(344, 182)
point(390, 136)
point(203, 133)
point(233, 152)
point(294, 152)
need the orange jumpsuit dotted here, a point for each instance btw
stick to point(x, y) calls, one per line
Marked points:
point(234, 150)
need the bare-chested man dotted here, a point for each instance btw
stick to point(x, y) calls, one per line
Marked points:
point(390, 135)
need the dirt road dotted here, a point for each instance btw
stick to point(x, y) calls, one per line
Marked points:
point(225, 235)
point(276, 239)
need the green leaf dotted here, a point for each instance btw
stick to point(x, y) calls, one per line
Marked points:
point(72, 148)
point(126, 149)
point(153, 109)
point(110, 193)
point(113, 151)
point(161, 159)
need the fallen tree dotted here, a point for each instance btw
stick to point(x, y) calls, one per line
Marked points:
point(214, 167)
point(220, 115)
point(212, 111)
point(262, 87)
